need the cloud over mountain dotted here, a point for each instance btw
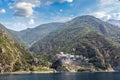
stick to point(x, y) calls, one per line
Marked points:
point(108, 9)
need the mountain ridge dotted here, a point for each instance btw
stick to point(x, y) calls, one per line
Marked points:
point(31, 35)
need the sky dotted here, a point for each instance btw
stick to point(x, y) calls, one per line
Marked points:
point(22, 14)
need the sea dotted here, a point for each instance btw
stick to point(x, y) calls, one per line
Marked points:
point(63, 76)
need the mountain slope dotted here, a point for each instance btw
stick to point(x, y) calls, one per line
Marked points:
point(73, 35)
point(31, 35)
point(13, 57)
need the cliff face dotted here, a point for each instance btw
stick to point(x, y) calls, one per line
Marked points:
point(13, 57)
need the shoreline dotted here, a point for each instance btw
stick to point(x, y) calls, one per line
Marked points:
point(28, 72)
point(47, 72)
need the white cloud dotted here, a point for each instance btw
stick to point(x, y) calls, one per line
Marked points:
point(2, 11)
point(24, 8)
point(31, 22)
point(109, 5)
point(115, 16)
point(101, 15)
point(66, 0)
point(106, 16)
point(70, 0)
point(108, 2)
point(108, 9)
point(61, 10)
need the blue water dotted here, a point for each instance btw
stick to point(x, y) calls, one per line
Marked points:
point(63, 76)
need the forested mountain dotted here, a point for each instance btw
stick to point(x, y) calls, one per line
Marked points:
point(93, 39)
point(77, 28)
point(89, 36)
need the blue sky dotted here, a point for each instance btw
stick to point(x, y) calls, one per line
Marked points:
point(22, 14)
